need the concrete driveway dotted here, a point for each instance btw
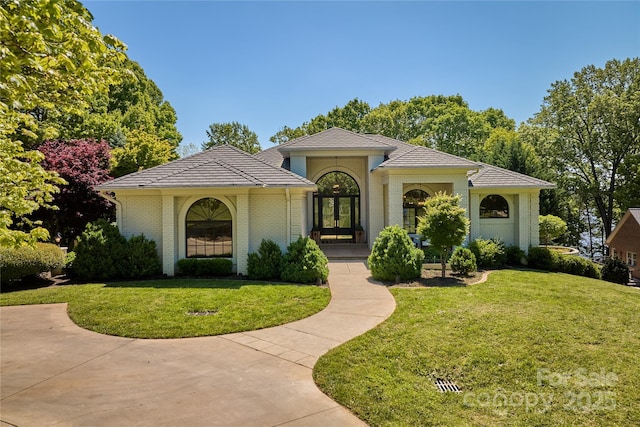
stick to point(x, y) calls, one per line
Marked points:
point(54, 373)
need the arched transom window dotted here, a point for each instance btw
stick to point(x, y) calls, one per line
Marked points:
point(209, 229)
point(337, 184)
point(412, 208)
point(494, 206)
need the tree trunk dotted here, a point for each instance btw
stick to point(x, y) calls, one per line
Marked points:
point(443, 261)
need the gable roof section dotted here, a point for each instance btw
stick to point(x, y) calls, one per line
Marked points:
point(630, 215)
point(340, 139)
point(490, 176)
point(222, 166)
point(335, 139)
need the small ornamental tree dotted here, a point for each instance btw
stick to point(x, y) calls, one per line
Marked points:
point(444, 224)
point(394, 257)
point(551, 227)
point(82, 164)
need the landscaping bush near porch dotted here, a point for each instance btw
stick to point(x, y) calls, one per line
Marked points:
point(526, 349)
point(394, 256)
point(304, 262)
point(26, 260)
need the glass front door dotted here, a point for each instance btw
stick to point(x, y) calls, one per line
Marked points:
point(338, 217)
point(336, 209)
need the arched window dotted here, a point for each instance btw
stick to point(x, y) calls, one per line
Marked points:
point(337, 184)
point(209, 229)
point(412, 207)
point(494, 206)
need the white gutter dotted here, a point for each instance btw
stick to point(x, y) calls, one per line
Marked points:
point(288, 195)
point(118, 204)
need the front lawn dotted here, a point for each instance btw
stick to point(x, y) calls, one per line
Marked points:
point(525, 348)
point(178, 308)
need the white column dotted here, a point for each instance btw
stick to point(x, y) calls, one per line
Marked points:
point(242, 233)
point(461, 187)
point(169, 229)
point(523, 239)
point(394, 201)
point(474, 215)
point(534, 212)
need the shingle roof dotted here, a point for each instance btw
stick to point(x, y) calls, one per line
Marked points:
point(490, 176)
point(340, 139)
point(336, 139)
point(415, 156)
point(222, 166)
point(635, 212)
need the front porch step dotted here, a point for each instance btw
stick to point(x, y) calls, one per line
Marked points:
point(346, 251)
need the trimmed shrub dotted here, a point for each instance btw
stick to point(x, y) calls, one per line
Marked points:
point(16, 263)
point(394, 256)
point(463, 261)
point(490, 253)
point(103, 253)
point(551, 227)
point(615, 270)
point(546, 259)
point(514, 255)
point(141, 258)
point(266, 264)
point(304, 262)
point(200, 267)
point(100, 252)
point(541, 258)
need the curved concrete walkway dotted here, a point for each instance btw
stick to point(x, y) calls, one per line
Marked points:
point(54, 373)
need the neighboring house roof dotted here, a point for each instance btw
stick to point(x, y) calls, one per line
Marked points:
point(632, 214)
point(222, 166)
point(489, 176)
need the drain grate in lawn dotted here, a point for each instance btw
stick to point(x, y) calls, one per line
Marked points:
point(202, 313)
point(447, 386)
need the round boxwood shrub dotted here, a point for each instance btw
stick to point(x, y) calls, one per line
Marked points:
point(542, 258)
point(304, 262)
point(490, 253)
point(26, 260)
point(615, 270)
point(394, 256)
point(514, 255)
point(463, 261)
point(266, 264)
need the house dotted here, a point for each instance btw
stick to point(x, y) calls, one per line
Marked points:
point(222, 202)
point(624, 240)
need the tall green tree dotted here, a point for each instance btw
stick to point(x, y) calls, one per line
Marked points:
point(235, 134)
point(505, 149)
point(133, 103)
point(444, 224)
point(442, 122)
point(142, 150)
point(53, 60)
point(595, 122)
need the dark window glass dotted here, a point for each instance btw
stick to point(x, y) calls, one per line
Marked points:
point(337, 184)
point(209, 230)
point(494, 206)
point(412, 207)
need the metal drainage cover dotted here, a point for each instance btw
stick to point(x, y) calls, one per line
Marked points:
point(202, 313)
point(447, 386)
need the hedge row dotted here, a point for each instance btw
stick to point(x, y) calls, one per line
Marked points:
point(546, 259)
point(16, 263)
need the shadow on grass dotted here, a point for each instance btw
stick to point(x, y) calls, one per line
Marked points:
point(195, 283)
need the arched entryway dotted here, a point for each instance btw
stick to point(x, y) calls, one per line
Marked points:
point(336, 207)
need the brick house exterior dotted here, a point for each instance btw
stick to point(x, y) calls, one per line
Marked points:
point(340, 185)
point(624, 240)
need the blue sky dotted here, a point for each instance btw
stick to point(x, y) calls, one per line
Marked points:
point(268, 64)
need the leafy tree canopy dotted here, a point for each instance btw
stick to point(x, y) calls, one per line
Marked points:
point(83, 164)
point(53, 62)
point(235, 134)
point(592, 127)
point(141, 151)
point(442, 122)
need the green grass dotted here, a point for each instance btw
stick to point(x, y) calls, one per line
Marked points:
point(175, 308)
point(581, 336)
